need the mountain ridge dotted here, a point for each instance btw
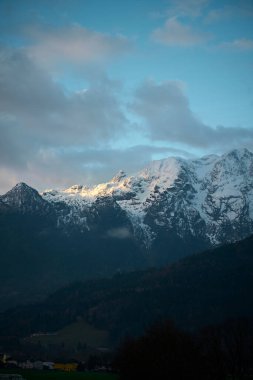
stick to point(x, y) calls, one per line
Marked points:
point(208, 199)
point(170, 209)
point(24, 199)
point(216, 189)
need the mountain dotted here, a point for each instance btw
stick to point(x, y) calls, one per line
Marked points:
point(201, 289)
point(187, 205)
point(25, 200)
point(37, 255)
point(170, 209)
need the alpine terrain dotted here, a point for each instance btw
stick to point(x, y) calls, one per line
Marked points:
point(172, 208)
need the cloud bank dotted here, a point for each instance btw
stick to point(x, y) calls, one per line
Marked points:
point(50, 138)
point(36, 112)
point(166, 112)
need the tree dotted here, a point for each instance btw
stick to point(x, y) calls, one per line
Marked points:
point(163, 352)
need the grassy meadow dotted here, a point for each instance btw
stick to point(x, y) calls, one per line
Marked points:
point(59, 375)
point(72, 334)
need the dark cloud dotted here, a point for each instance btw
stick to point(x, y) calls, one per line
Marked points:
point(165, 110)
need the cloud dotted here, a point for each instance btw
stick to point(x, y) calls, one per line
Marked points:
point(73, 45)
point(62, 167)
point(187, 8)
point(52, 138)
point(49, 138)
point(119, 233)
point(228, 11)
point(242, 44)
point(165, 110)
point(174, 33)
point(38, 108)
point(36, 114)
point(90, 166)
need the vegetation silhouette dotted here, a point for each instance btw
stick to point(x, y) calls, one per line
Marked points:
point(163, 352)
point(217, 352)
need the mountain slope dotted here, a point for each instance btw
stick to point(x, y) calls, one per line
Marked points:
point(198, 290)
point(25, 200)
point(37, 256)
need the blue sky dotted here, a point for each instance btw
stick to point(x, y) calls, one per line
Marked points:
point(91, 87)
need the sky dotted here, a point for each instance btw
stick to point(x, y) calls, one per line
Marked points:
point(89, 87)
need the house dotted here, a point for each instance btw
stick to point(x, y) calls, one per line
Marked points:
point(68, 367)
point(48, 365)
point(38, 365)
point(26, 365)
point(4, 358)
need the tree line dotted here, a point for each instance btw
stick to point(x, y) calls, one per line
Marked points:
point(218, 352)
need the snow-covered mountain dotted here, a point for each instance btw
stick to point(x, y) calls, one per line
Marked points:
point(209, 198)
point(24, 199)
point(170, 209)
point(172, 204)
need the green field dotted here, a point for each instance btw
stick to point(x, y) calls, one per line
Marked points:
point(72, 334)
point(59, 375)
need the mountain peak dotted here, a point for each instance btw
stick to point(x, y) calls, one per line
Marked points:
point(22, 186)
point(119, 176)
point(239, 153)
point(22, 189)
point(23, 198)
